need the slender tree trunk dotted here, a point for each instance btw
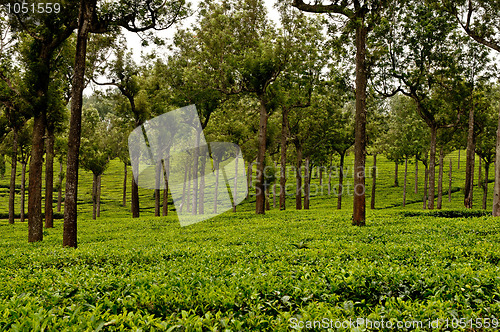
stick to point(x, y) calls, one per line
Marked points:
point(99, 196)
point(35, 220)
point(94, 196)
point(416, 176)
point(166, 170)
point(307, 177)
point(396, 180)
point(341, 181)
point(59, 191)
point(249, 180)
point(86, 13)
point(432, 168)
point(359, 205)
point(469, 166)
point(12, 188)
point(450, 181)
point(194, 205)
point(404, 184)
point(440, 179)
point(283, 150)
point(374, 181)
point(124, 195)
point(321, 177)
point(134, 199)
point(298, 179)
point(201, 203)
point(479, 179)
point(485, 184)
point(426, 180)
point(23, 189)
point(235, 198)
point(217, 171)
point(49, 181)
point(157, 188)
point(260, 194)
point(496, 189)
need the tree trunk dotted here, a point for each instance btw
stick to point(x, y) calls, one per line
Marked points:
point(59, 191)
point(166, 170)
point(450, 181)
point(469, 166)
point(298, 179)
point(124, 196)
point(440, 179)
point(321, 177)
point(35, 220)
point(217, 171)
point(12, 188)
point(479, 179)
point(235, 198)
point(404, 183)
point(374, 181)
point(432, 168)
point(341, 181)
point(425, 185)
point(157, 188)
point(283, 149)
point(359, 206)
point(416, 176)
point(49, 181)
point(307, 177)
point(23, 190)
point(94, 196)
point(260, 194)
point(194, 205)
point(134, 199)
point(249, 179)
point(485, 184)
point(99, 196)
point(396, 180)
point(87, 8)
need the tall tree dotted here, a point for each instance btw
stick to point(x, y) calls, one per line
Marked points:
point(362, 17)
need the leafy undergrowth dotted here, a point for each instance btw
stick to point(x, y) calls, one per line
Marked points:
point(242, 272)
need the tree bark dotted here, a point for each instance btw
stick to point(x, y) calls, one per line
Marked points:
point(359, 205)
point(166, 169)
point(341, 181)
point(450, 181)
point(35, 220)
point(485, 184)
point(23, 190)
point(94, 196)
point(134, 199)
point(374, 181)
point(396, 180)
point(157, 188)
point(99, 196)
point(59, 191)
point(426, 170)
point(235, 198)
point(469, 166)
point(298, 179)
point(12, 188)
point(307, 176)
point(260, 194)
point(283, 150)
point(49, 180)
point(416, 176)
point(404, 184)
point(432, 167)
point(440, 179)
point(124, 196)
point(87, 8)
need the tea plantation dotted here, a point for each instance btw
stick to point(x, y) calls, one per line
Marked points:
point(286, 270)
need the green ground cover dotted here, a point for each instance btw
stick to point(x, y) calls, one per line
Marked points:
point(241, 272)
